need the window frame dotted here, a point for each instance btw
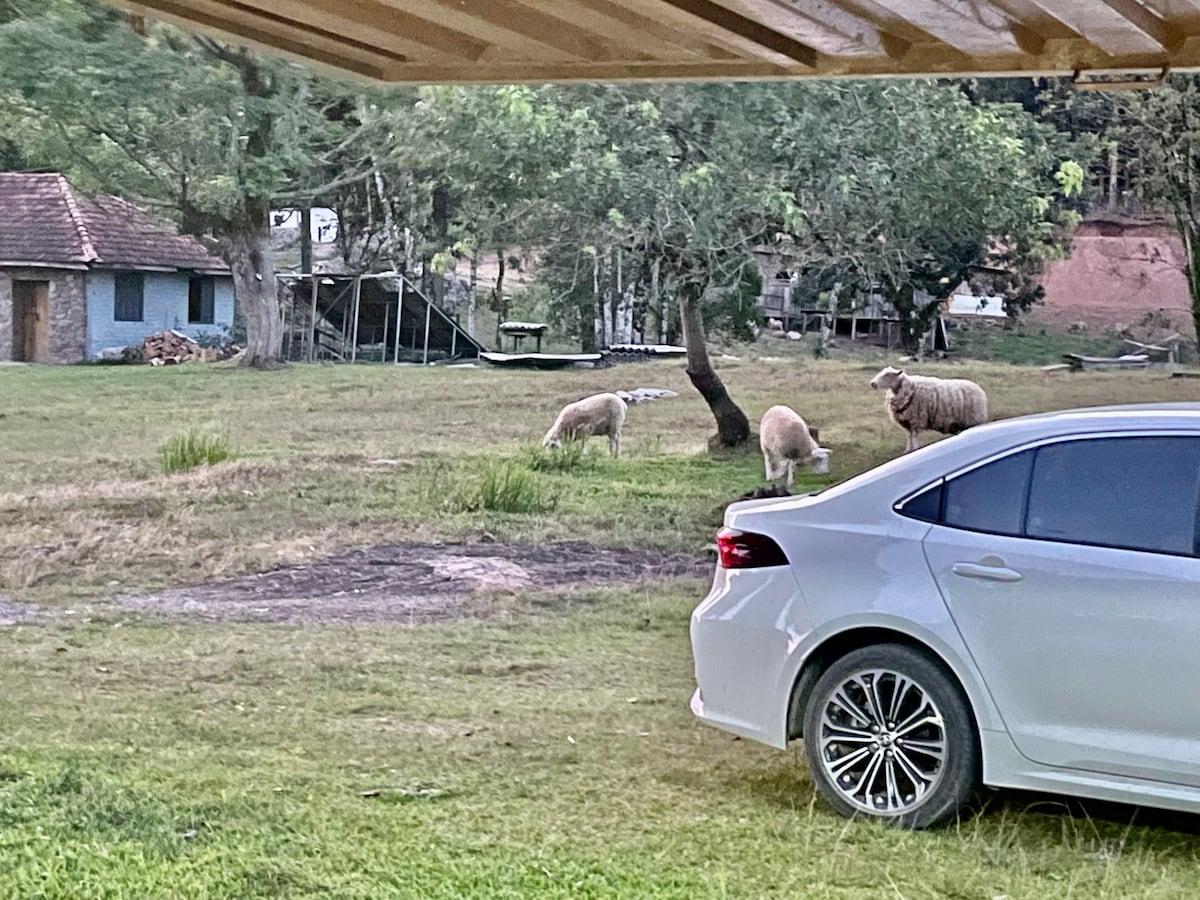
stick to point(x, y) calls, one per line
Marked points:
point(1036, 445)
point(209, 282)
point(118, 301)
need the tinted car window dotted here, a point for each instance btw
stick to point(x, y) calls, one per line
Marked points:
point(1137, 493)
point(926, 506)
point(990, 498)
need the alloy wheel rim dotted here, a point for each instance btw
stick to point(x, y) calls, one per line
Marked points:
point(882, 742)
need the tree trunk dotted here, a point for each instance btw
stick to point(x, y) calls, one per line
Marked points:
point(606, 309)
point(661, 310)
point(472, 294)
point(597, 311)
point(1191, 243)
point(441, 233)
point(501, 305)
point(733, 428)
point(248, 252)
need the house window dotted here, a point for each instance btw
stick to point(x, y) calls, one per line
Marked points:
point(127, 297)
point(200, 300)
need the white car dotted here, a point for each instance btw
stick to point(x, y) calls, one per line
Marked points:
point(1017, 606)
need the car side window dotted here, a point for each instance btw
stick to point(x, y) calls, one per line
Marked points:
point(990, 498)
point(1134, 493)
point(926, 506)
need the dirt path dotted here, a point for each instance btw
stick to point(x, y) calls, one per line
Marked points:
point(417, 583)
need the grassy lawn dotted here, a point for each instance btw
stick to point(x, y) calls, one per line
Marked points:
point(1031, 343)
point(542, 749)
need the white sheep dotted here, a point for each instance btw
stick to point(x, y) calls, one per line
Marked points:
point(786, 439)
point(924, 403)
point(598, 414)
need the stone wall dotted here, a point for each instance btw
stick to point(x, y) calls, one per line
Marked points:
point(67, 329)
point(6, 311)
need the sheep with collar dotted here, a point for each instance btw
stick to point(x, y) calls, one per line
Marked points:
point(924, 403)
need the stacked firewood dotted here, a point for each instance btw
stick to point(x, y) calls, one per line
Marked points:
point(170, 348)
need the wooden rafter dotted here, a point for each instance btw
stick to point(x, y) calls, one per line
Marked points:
point(494, 41)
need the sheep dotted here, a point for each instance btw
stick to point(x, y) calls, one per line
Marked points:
point(598, 414)
point(924, 403)
point(785, 439)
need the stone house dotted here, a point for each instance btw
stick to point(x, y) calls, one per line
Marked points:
point(79, 274)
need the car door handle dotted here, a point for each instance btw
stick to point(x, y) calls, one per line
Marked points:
point(988, 573)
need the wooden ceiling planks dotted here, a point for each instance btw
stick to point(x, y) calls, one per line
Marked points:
point(495, 41)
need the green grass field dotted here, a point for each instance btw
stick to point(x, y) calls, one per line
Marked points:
point(540, 748)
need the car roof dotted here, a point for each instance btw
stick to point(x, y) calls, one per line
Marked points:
point(1131, 409)
point(912, 470)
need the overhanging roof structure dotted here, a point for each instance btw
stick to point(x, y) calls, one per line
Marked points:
point(500, 41)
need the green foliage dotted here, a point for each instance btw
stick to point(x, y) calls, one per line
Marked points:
point(192, 449)
point(1070, 178)
point(1031, 344)
point(504, 486)
point(572, 456)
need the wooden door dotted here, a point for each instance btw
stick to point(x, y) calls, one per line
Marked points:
point(31, 321)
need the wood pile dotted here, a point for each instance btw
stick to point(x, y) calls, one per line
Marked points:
point(170, 348)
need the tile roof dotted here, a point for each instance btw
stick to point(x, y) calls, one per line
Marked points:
point(43, 220)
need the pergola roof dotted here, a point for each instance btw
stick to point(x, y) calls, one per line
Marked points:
point(475, 41)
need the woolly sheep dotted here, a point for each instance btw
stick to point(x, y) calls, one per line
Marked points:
point(785, 439)
point(923, 403)
point(598, 414)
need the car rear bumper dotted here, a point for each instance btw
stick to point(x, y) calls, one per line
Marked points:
point(743, 641)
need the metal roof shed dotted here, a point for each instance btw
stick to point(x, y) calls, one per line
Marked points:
point(360, 318)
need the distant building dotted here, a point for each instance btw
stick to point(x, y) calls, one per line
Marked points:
point(79, 274)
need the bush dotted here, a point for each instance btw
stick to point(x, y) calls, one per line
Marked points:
point(572, 456)
point(192, 449)
point(505, 487)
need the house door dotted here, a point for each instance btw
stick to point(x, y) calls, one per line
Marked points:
point(31, 321)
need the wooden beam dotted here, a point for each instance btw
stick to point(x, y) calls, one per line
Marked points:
point(1112, 31)
point(1141, 18)
point(226, 21)
point(753, 38)
point(963, 25)
point(629, 27)
point(372, 22)
point(827, 28)
point(513, 29)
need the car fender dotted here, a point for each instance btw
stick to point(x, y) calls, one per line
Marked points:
point(955, 658)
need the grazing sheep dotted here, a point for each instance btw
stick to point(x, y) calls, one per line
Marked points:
point(923, 403)
point(598, 414)
point(785, 439)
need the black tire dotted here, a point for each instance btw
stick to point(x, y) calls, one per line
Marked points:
point(919, 765)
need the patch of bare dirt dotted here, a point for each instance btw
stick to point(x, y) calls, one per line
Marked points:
point(412, 583)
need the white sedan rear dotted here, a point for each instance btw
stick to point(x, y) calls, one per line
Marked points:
point(1017, 606)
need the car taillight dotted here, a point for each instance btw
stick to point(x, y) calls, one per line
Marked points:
point(747, 550)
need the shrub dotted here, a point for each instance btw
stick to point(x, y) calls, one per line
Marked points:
point(506, 487)
point(191, 449)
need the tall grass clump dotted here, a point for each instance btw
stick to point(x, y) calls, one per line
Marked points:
point(192, 449)
point(508, 487)
point(572, 456)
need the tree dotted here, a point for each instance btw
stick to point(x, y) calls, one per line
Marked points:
point(660, 186)
point(214, 134)
point(1157, 135)
point(909, 187)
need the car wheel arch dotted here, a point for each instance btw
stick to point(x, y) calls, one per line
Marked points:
point(837, 645)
